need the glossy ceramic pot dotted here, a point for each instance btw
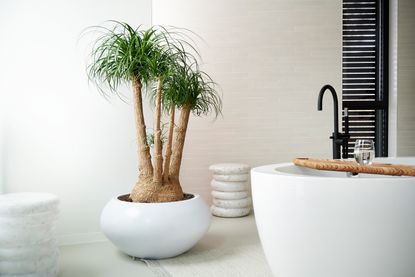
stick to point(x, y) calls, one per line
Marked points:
point(155, 230)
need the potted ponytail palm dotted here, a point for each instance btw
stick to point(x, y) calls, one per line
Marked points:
point(156, 219)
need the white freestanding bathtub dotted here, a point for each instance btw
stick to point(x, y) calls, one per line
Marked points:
point(327, 224)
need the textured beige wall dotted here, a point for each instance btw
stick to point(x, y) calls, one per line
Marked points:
point(406, 78)
point(270, 58)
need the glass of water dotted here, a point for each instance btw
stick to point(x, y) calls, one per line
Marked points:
point(364, 151)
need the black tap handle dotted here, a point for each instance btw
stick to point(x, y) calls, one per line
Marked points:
point(346, 135)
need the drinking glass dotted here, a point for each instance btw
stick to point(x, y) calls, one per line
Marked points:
point(364, 151)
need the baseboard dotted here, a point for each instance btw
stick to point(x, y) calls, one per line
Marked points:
point(80, 238)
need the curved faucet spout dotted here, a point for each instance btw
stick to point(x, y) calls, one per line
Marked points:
point(335, 105)
point(339, 139)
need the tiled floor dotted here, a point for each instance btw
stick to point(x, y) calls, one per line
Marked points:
point(102, 259)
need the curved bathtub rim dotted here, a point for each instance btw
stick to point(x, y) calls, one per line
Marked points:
point(273, 169)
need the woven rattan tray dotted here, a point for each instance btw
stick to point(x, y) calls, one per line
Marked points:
point(354, 167)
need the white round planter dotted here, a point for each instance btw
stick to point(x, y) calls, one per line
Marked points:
point(155, 230)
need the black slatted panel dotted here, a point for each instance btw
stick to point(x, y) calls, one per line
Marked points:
point(361, 67)
point(361, 126)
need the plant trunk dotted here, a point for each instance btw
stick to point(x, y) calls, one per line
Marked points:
point(171, 189)
point(158, 147)
point(141, 192)
point(179, 142)
point(149, 188)
point(169, 144)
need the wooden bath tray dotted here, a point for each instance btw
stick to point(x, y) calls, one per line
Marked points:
point(354, 167)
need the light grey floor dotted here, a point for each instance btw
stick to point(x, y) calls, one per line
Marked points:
point(102, 259)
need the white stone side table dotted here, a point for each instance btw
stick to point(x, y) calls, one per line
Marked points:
point(27, 235)
point(230, 190)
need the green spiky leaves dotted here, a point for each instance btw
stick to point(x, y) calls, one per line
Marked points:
point(188, 85)
point(123, 52)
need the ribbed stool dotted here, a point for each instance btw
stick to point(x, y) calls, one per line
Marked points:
point(230, 192)
point(27, 235)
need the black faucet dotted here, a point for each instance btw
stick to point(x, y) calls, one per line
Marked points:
point(339, 139)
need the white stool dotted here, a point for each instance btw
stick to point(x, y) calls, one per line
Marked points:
point(231, 197)
point(27, 235)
